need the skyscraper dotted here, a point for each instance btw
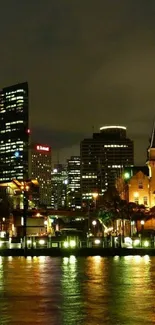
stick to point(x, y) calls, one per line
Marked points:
point(103, 158)
point(59, 187)
point(14, 132)
point(74, 187)
point(41, 170)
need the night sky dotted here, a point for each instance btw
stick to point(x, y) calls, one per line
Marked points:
point(88, 63)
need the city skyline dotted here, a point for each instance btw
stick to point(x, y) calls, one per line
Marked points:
point(91, 64)
point(56, 156)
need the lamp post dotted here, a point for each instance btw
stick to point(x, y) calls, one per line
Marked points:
point(132, 223)
point(142, 224)
point(94, 223)
point(25, 189)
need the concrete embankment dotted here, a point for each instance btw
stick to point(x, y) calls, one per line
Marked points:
point(85, 252)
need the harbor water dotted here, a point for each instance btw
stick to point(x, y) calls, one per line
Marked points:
point(77, 291)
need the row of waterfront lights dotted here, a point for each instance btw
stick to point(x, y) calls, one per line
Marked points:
point(70, 244)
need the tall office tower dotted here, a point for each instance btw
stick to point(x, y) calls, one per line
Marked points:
point(41, 166)
point(74, 187)
point(103, 157)
point(59, 187)
point(14, 132)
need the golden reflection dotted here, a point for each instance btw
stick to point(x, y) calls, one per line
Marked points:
point(97, 258)
point(147, 259)
point(128, 257)
point(42, 259)
point(137, 258)
point(28, 289)
point(96, 288)
point(74, 290)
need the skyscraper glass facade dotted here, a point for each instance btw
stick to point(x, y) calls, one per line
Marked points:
point(14, 132)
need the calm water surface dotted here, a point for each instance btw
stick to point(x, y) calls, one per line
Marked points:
point(70, 291)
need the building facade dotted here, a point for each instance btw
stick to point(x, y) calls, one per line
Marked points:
point(14, 132)
point(103, 157)
point(12, 195)
point(74, 187)
point(59, 181)
point(41, 165)
point(139, 187)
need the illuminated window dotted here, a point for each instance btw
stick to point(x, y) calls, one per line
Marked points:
point(145, 201)
point(136, 200)
point(140, 184)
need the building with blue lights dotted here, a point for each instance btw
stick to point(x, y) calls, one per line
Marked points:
point(14, 132)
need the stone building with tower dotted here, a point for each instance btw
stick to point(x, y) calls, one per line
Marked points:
point(138, 184)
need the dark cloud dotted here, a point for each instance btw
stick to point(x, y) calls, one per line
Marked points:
point(87, 62)
point(57, 139)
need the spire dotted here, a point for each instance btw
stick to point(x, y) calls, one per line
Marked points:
point(152, 142)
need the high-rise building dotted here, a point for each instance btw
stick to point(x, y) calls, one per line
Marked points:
point(74, 188)
point(41, 170)
point(14, 132)
point(103, 157)
point(59, 187)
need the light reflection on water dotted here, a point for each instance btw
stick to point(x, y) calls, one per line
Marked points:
point(83, 291)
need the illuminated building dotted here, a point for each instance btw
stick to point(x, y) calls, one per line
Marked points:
point(136, 188)
point(139, 187)
point(12, 192)
point(74, 188)
point(103, 157)
point(41, 170)
point(59, 187)
point(14, 132)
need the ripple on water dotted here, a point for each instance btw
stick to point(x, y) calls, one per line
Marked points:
point(70, 291)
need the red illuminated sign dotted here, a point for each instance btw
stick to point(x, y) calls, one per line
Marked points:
point(43, 148)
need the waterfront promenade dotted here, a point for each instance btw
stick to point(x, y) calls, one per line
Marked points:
point(83, 252)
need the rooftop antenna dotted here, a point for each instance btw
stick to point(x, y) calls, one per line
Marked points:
point(152, 143)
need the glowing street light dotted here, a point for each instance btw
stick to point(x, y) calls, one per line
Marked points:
point(38, 214)
point(95, 196)
point(126, 175)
